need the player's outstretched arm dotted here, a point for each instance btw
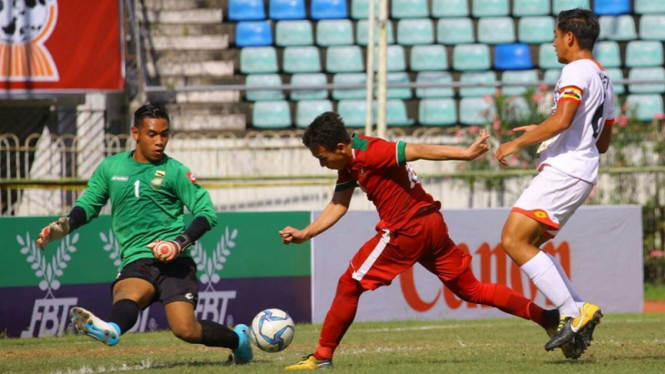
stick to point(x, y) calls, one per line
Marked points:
point(432, 152)
point(337, 207)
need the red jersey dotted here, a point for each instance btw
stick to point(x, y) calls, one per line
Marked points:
point(379, 168)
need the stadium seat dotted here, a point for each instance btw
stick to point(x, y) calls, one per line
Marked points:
point(547, 57)
point(271, 115)
point(450, 8)
point(536, 30)
point(246, 10)
point(642, 53)
point(396, 113)
point(397, 92)
point(470, 57)
point(258, 60)
point(287, 9)
point(437, 112)
point(409, 9)
point(293, 33)
point(477, 77)
point(344, 59)
point(652, 27)
point(360, 9)
point(611, 7)
point(334, 32)
point(523, 76)
point(353, 112)
point(516, 56)
point(307, 111)
point(350, 78)
point(607, 53)
point(645, 74)
point(428, 58)
point(649, 7)
point(489, 8)
point(615, 75)
point(329, 9)
point(552, 75)
point(434, 77)
point(453, 31)
point(253, 33)
point(647, 106)
point(415, 31)
point(301, 60)
point(559, 5)
point(496, 30)
point(263, 80)
point(471, 111)
point(617, 28)
point(311, 79)
point(395, 61)
point(525, 8)
point(362, 31)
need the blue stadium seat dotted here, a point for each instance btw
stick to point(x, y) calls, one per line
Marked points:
point(496, 30)
point(271, 115)
point(453, 31)
point(647, 105)
point(287, 9)
point(642, 53)
point(396, 113)
point(607, 53)
point(263, 80)
point(428, 58)
point(409, 9)
point(334, 32)
point(396, 92)
point(395, 60)
point(615, 75)
point(547, 57)
point(617, 28)
point(477, 77)
point(329, 9)
point(258, 60)
point(649, 7)
point(353, 112)
point(611, 7)
point(362, 33)
point(246, 10)
point(645, 74)
point(471, 111)
point(450, 8)
point(471, 57)
point(525, 8)
point(559, 5)
point(552, 75)
point(434, 77)
point(253, 34)
point(293, 33)
point(521, 76)
point(307, 111)
point(652, 27)
point(344, 59)
point(309, 79)
point(437, 112)
point(360, 9)
point(301, 60)
point(415, 31)
point(516, 56)
point(536, 30)
point(489, 8)
point(350, 78)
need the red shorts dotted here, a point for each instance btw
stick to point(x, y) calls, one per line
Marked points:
point(423, 240)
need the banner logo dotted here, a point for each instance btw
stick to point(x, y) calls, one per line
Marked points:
point(24, 27)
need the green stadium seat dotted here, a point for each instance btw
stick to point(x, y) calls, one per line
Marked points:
point(616, 74)
point(397, 92)
point(559, 5)
point(477, 77)
point(395, 61)
point(301, 60)
point(437, 112)
point(643, 74)
point(396, 113)
point(453, 31)
point(547, 57)
point(646, 105)
point(258, 60)
point(415, 31)
point(536, 30)
point(263, 80)
point(428, 58)
point(621, 28)
point(643, 53)
point(293, 33)
point(526, 8)
point(409, 9)
point(471, 57)
point(649, 7)
point(490, 8)
point(271, 115)
point(434, 77)
point(307, 111)
point(309, 79)
point(362, 31)
point(471, 111)
point(652, 27)
point(607, 53)
point(552, 75)
point(353, 112)
point(496, 30)
point(334, 32)
point(450, 8)
point(344, 59)
point(518, 76)
point(349, 78)
point(360, 9)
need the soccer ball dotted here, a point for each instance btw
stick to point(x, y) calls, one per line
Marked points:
point(272, 330)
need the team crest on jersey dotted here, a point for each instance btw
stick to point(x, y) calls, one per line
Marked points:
point(191, 177)
point(158, 180)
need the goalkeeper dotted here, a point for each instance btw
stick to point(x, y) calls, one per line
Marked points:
point(148, 190)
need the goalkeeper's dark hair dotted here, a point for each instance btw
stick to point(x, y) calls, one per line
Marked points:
point(583, 23)
point(326, 130)
point(150, 110)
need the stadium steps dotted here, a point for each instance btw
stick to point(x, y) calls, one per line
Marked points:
point(157, 5)
point(198, 117)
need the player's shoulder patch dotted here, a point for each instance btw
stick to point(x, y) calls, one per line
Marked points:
point(191, 177)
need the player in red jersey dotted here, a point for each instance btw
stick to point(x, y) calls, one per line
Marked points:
point(411, 229)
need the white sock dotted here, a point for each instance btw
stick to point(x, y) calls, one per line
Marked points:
point(578, 299)
point(542, 271)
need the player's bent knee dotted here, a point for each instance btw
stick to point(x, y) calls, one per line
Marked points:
point(187, 334)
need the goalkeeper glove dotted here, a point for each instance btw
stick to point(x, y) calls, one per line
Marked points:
point(168, 250)
point(55, 230)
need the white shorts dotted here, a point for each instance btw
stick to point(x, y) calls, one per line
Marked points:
point(552, 198)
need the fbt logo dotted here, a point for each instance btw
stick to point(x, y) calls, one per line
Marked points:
point(495, 267)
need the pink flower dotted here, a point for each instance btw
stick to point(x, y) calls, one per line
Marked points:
point(615, 130)
point(487, 98)
point(473, 130)
point(543, 87)
point(659, 117)
point(537, 97)
point(525, 165)
point(458, 134)
point(496, 125)
point(656, 253)
point(623, 121)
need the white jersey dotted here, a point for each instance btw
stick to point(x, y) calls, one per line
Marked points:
point(574, 150)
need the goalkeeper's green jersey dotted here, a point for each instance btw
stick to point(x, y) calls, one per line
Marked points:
point(146, 201)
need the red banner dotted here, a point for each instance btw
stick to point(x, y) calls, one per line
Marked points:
point(55, 45)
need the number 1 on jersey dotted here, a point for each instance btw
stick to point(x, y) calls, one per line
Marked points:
point(136, 188)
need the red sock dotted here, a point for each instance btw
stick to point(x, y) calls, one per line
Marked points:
point(339, 317)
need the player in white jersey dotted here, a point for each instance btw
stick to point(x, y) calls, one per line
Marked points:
point(571, 140)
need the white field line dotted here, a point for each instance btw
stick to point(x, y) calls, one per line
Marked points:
point(110, 369)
